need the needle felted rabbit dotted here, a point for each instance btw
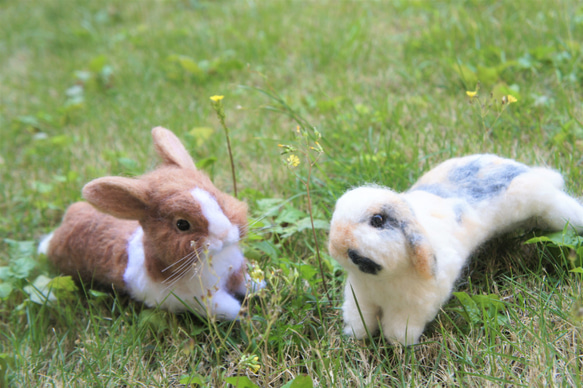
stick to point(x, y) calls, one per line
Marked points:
point(168, 238)
point(403, 252)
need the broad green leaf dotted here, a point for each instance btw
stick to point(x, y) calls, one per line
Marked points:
point(269, 206)
point(201, 134)
point(241, 382)
point(268, 248)
point(538, 239)
point(29, 120)
point(301, 381)
point(153, 319)
point(308, 271)
point(98, 294)
point(488, 301)
point(190, 66)
point(502, 89)
point(192, 379)
point(63, 140)
point(289, 215)
point(39, 291)
point(206, 162)
point(577, 270)
point(18, 249)
point(129, 165)
point(97, 63)
point(5, 290)
point(63, 283)
point(567, 238)
point(6, 273)
point(487, 75)
point(470, 307)
point(42, 187)
point(468, 75)
point(305, 223)
point(21, 268)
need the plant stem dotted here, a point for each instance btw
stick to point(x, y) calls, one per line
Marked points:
point(316, 243)
point(230, 157)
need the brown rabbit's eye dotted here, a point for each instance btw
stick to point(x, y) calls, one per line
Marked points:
point(183, 225)
point(378, 220)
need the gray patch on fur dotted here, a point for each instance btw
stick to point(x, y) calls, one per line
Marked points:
point(459, 212)
point(465, 182)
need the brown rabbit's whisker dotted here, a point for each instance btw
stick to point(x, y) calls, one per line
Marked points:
point(192, 244)
point(184, 263)
point(194, 268)
point(191, 258)
point(171, 282)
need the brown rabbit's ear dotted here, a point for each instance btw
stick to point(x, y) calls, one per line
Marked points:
point(169, 147)
point(121, 197)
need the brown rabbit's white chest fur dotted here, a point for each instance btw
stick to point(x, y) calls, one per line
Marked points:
point(403, 252)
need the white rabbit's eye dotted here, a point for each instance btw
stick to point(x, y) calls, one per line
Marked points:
point(378, 220)
point(183, 225)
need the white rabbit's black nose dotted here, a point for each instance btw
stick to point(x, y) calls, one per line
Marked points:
point(364, 264)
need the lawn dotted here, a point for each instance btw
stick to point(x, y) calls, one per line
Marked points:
point(383, 82)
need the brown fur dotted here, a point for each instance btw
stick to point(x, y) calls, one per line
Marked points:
point(90, 243)
point(236, 280)
point(341, 239)
point(93, 244)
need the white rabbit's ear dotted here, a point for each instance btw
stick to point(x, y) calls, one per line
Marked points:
point(121, 197)
point(169, 147)
point(423, 256)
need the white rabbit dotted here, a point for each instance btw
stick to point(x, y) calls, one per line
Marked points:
point(168, 238)
point(403, 252)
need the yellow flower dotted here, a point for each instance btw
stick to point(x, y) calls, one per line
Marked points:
point(511, 99)
point(293, 160)
point(471, 94)
point(251, 362)
point(257, 275)
point(254, 364)
point(217, 98)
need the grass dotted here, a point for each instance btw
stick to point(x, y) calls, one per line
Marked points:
point(81, 86)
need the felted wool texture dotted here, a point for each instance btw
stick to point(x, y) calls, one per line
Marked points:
point(91, 245)
point(402, 270)
point(127, 236)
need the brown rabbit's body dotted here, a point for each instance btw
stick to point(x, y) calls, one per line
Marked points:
point(168, 238)
point(98, 238)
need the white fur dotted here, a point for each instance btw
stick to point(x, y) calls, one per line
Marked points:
point(203, 289)
point(221, 231)
point(398, 296)
point(43, 247)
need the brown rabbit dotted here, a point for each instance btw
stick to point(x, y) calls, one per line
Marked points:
point(168, 238)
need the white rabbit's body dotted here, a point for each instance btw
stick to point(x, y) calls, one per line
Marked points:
point(168, 238)
point(403, 269)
